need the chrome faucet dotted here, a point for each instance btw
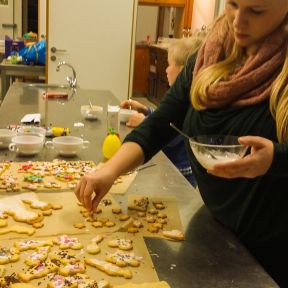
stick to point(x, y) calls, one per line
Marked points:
point(71, 80)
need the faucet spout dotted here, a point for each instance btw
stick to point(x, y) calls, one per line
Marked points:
point(71, 80)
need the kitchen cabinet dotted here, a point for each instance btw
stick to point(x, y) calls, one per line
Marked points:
point(183, 19)
point(158, 83)
point(141, 70)
point(187, 21)
point(175, 3)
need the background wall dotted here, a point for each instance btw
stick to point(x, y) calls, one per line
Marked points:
point(147, 17)
point(203, 13)
point(42, 18)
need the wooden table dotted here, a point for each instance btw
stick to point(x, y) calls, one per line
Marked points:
point(10, 71)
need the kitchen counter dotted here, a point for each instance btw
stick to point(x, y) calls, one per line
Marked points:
point(209, 257)
point(9, 71)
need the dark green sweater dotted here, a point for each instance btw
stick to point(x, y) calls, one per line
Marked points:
point(255, 209)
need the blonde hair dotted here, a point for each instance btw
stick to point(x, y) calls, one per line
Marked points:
point(180, 49)
point(279, 103)
point(216, 72)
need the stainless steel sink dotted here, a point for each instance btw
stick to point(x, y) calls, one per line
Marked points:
point(47, 86)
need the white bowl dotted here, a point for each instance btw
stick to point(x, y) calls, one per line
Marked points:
point(93, 112)
point(26, 144)
point(214, 149)
point(32, 130)
point(124, 114)
point(67, 145)
point(6, 137)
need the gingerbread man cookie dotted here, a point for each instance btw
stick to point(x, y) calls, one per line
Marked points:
point(108, 268)
point(122, 259)
point(36, 272)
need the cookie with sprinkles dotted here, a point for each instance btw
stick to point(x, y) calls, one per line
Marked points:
point(36, 272)
point(67, 242)
point(8, 255)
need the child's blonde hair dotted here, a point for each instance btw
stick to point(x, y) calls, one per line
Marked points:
point(180, 49)
point(216, 72)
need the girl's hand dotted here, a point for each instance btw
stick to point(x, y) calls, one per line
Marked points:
point(92, 187)
point(135, 105)
point(135, 120)
point(252, 165)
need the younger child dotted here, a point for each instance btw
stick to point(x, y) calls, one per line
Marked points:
point(178, 53)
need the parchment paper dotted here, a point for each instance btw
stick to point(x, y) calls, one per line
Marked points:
point(144, 273)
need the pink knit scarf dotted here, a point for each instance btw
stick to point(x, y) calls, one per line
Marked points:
point(251, 82)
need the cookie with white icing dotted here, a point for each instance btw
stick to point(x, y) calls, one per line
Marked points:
point(8, 255)
point(108, 268)
point(38, 256)
point(123, 244)
point(28, 244)
point(123, 259)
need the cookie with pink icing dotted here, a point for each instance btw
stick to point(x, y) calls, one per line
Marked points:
point(68, 242)
point(78, 280)
point(36, 272)
point(28, 244)
point(40, 255)
point(72, 269)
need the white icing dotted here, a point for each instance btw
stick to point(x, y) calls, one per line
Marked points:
point(14, 205)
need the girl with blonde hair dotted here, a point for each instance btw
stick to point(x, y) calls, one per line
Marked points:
point(236, 85)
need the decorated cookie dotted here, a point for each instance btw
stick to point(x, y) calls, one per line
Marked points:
point(37, 272)
point(15, 207)
point(28, 244)
point(66, 242)
point(72, 269)
point(8, 255)
point(123, 259)
point(52, 185)
point(139, 203)
point(9, 183)
point(7, 280)
point(40, 255)
point(108, 268)
point(123, 244)
point(77, 281)
point(64, 257)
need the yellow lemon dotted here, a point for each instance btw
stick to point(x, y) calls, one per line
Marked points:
point(110, 145)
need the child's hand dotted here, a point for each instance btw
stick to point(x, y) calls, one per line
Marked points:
point(135, 120)
point(135, 105)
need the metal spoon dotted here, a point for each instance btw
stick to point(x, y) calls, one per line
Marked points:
point(186, 136)
point(90, 104)
point(179, 131)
